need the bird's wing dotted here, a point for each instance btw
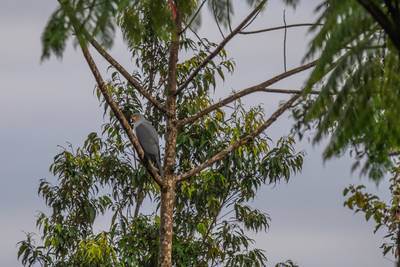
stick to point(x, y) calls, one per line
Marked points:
point(148, 138)
point(152, 130)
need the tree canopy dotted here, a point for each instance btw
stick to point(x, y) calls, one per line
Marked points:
point(216, 156)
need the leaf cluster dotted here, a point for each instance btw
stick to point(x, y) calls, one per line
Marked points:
point(385, 214)
point(358, 77)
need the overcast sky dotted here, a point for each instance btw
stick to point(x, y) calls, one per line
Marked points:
point(49, 104)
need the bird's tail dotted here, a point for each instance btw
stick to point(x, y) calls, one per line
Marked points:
point(156, 160)
point(160, 169)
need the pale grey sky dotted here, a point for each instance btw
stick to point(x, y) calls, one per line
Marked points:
point(49, 104)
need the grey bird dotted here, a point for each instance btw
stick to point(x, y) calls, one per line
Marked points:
point(148, 139)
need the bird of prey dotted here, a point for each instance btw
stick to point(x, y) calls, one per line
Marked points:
point(148, 139)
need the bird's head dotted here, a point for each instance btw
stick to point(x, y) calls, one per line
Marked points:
point(136, 117)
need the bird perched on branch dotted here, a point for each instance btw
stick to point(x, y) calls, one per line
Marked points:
point(148, 139)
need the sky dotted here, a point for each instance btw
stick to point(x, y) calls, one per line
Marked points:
point(46, 105)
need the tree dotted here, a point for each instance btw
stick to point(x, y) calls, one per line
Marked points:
point(358, 76)
point(214, 159)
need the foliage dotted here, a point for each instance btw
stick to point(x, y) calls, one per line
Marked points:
point(96, 16)
point(385, 215)
point(136, 18)
point(102, 178)
point(358, 77)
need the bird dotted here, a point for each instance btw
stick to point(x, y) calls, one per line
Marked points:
point(148, 139)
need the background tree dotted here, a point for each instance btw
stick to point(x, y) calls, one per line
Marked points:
point(385, 214)
point(214, 159)
point(358, 76)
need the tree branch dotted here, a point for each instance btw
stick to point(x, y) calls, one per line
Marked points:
point(120, 116)
point(216, 20)
point(394, 11)
point(281, 27)
point(375, 11)
point(219, 48)
point(257, 88)
point(114, 107)
point(220, 155)
point(135, 83)
point(193, 17)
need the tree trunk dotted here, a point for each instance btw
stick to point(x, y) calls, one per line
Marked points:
point(169, 179)
point(166, 226)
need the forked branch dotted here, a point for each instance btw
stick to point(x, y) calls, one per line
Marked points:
point(134, 82)
point(262, 87)
point(219, 47)
point(221, 155)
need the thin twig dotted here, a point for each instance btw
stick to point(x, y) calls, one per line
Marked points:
point(216, 20)
point(200, 40)
point(193, 17)
point(284, 40)
point(281, 27)
point(228, 5)
point(252, 20)
point(218, 48)
point(214, 220)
